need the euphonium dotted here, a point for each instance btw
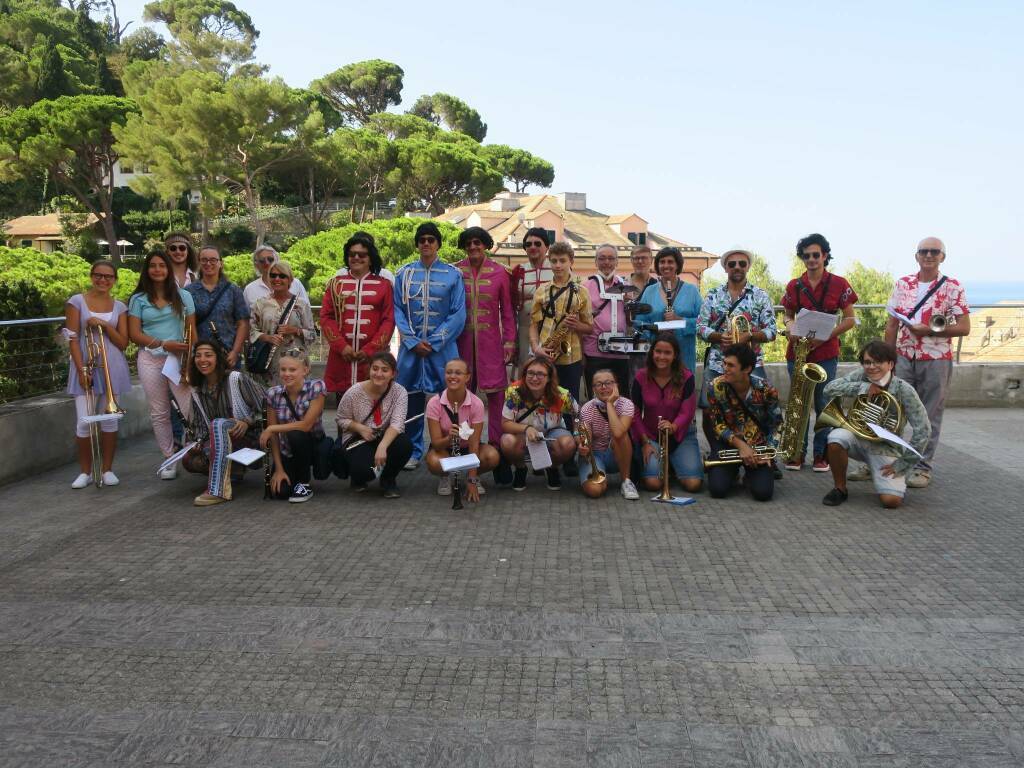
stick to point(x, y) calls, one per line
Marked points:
point(666, 491)
point(586, 439)
point(806, 376)
point(186, 356)
point(739, 325)
point(881, 409)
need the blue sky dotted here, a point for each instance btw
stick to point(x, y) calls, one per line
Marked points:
point(725, 124)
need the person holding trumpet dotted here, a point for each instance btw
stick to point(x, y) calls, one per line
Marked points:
point(96, 325)
point(446, 413)
point(604, 437)
point(745, 416)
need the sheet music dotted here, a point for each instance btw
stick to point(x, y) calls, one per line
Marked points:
point(176, 457)
point(891, 437)
point(901, 317)
point(540, 456)
point(172, 368)
point(459, 463)
point(101, 417)
point(820, 324)
point(247, 456)
point(671, 325)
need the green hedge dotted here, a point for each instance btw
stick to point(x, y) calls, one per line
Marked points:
point(57, 276)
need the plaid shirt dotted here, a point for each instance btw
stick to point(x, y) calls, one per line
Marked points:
point(276, 399)
point(755, 305)
point(729, 415)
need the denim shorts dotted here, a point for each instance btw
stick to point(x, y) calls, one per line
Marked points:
point(685, 459)
point(860, 450)
point(605, 461)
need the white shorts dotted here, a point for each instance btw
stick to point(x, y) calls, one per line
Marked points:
point(861, 451)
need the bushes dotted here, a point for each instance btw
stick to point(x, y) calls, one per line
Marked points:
point(31, 360)
point(56, 276)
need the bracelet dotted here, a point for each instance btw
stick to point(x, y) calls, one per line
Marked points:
point(473, 480)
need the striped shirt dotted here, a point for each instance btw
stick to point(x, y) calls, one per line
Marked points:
point(594, 414)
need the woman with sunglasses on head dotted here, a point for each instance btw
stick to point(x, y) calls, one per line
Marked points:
point(178, 246)
point(371, 429)
point(819, 290)
point(296, 406)
point(282, 319)
point(535, 408)
point(357, 315)
point(96, 309)
point(158, 313)
point(221, 311)
point(664, 397)
point(262, 259)
point(672, 298)
point(227, 407)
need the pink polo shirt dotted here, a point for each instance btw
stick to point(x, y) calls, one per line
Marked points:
point(472, 410)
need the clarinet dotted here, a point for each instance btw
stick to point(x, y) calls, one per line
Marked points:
point(455, 449)
point(268, 486)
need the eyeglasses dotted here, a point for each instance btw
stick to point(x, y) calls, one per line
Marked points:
point(533, 244)
point(209, 260)
point(103, 276)
point(735, 264)
point(279, 276)
point(178, 247)
point(536, 374)
point(871, 363)
point(426, 240)
point(929, 251)
point(603, 384)
point(809, 256)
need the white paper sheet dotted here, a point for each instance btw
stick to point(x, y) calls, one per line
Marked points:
point(465, 431)
point(459, 463)
point(902, 318)
point(176, 457)
point(172, 368)
point(809, 322)
point(671, 325)
point(540, 457)
point(247, 456)
point(891, 437)
point(100, 417)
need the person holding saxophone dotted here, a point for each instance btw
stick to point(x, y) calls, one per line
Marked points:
point(96, 325)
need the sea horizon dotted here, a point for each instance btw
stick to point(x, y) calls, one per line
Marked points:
point(993, 291)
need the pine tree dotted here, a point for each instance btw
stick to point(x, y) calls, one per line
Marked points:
point(52, 81)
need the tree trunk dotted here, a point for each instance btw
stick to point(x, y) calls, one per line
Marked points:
point(111, 235)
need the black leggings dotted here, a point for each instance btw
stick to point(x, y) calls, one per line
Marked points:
point(309, 456)
point(357, 464)
point(760, 480)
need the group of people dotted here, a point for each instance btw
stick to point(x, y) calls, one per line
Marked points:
point(462, 327)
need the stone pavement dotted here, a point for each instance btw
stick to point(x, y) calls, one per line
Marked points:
point(535, 630)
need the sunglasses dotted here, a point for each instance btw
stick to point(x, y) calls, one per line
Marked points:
point(929, 251)
point(358, 255)
point(427, 240)
point(809, 256)
point(180, 247)
point(278, 276)
point(734, 264)
point(271, 260)
point(533, 244)
point(473, 242)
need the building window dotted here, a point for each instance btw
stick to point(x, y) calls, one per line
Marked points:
point(127, 169)
point(637, 238)
point(26, 243)
point(551, 235)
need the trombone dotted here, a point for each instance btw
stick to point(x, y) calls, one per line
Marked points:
point(96, 358)
point(186, 356)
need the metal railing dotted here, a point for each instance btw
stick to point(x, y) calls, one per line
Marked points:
point(34, 357)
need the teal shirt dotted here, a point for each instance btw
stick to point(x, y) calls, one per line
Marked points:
point(160, 323)
point(686, 304)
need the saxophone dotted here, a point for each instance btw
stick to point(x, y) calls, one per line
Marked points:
point(806, 376)
point(558, 342)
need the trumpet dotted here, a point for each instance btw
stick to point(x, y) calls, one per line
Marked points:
point(186, 356)
point(666, 491)
point(940, 322)
point(739, 324)
point(732, 456)
point(587, 441)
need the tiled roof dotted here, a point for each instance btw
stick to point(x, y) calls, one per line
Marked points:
point(28, 226)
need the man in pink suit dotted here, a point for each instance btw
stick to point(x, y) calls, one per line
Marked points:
point(488, 341)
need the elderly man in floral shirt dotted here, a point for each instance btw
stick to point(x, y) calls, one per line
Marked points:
point(745, 415)
point(714, 324)
point(925, 353)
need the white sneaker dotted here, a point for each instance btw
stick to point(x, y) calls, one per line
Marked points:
point(170, 473)
point(860, 474)
point(411, 464)
point(629, 490)
point(81, 481)
point(444, 485)
point(109, 478)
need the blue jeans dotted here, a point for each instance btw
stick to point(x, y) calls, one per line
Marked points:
point(685, 458)
point(821, 436)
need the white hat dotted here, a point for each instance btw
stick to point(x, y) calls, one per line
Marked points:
point(725, 256)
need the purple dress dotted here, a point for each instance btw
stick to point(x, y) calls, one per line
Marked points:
point(490, 324)
point(120, 378)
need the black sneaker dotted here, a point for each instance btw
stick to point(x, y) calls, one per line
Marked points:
point(571, 469)
point(502, 473)
point(390, 490)
point(300, 493)
point(519, 479)
point(358, 487)
point(554, 479)
point(834, 498)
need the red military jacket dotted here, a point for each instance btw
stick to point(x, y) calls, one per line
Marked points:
point(357, 313)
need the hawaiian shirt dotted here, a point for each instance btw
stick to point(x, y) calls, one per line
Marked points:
point(950, 298)
point(832, 294)
point(278, 400)
point(542, 418)
point(732, 416)
point(218, 321)
point(755, 305)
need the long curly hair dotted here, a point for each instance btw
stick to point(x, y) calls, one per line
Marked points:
point(551, 396)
